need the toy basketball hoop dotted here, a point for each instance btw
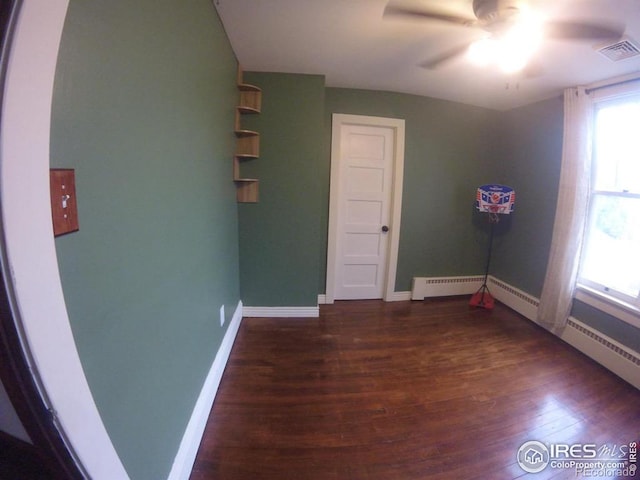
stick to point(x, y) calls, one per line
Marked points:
point(495, 200)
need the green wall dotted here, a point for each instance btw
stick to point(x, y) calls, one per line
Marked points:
point(281, 237)
point(448, 151)
point(530, 155)
point(143, 111)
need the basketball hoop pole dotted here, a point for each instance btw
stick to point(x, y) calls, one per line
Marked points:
point(482, 298)
point(495, 200)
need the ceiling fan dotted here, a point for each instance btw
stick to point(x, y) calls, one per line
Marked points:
point(513, 31)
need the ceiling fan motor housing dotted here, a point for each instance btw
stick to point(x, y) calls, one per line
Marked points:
point(489, 11)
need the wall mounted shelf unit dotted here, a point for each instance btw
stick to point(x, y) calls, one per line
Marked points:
point(247, 141)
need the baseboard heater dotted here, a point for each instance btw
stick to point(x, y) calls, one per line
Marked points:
point(612, 355)
point(424, 287)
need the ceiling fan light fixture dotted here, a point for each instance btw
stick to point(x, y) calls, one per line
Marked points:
point(483, 52)
point(508, 56)
point(511, 49)
point(527, 33)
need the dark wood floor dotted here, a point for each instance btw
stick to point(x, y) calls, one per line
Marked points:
point(406, 390)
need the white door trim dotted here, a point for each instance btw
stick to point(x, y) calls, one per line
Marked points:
point(397, 125)
point(31, 254)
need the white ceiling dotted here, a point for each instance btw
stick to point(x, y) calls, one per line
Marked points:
point(351, 43)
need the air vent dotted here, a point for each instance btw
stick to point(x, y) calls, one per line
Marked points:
point(625, 48)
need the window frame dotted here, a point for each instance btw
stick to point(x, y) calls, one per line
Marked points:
point(617, 304)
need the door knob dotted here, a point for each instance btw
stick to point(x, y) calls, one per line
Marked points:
point(385, 229)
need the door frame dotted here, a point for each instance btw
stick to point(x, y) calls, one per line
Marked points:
point(398, 127)
point(47, 444)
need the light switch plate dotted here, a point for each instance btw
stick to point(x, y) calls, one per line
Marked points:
point(64, 205)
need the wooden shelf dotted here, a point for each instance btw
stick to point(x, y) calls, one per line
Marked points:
point(237, 177)
point(250, 98)
point(250, 101)
point(248, 146)
point(245, 87)
point(246, 109)
point(247, 190)
point(247, 141)
point(245, 133)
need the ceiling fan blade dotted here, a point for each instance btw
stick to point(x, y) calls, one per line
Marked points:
point(406, 11)
point(583, 31)
point(445, 57)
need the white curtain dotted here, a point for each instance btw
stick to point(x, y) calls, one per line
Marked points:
point(571, 211)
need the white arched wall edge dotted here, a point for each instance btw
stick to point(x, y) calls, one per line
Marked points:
point(31, 254)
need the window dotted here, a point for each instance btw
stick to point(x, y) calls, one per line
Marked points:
point(611, 255)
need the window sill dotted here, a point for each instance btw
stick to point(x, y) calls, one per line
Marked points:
point(617, 308)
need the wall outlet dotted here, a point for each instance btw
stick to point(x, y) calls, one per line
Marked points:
point(222, 315)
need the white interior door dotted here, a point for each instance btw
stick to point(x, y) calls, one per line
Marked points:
point(363, 172)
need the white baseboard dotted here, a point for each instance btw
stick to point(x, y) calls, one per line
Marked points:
point(183, 462)
point(281, 312)
point(399, 297)
point(395, 297)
